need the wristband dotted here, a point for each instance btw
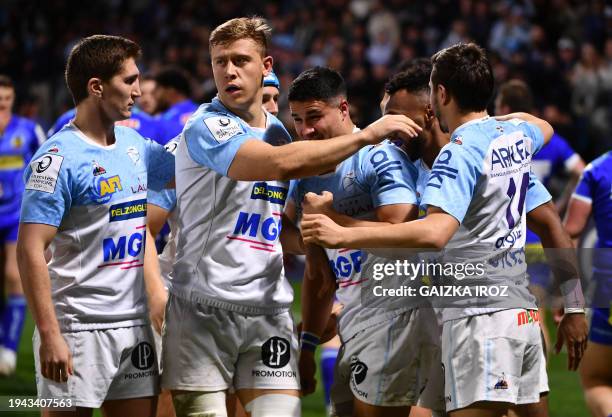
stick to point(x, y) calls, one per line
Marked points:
point(573, 299)
point(309, 341)
point(573, 310)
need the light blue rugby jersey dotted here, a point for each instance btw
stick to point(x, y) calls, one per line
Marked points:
point(375, 176)
point(97, 198)
point(228, 251)
point(481, 178)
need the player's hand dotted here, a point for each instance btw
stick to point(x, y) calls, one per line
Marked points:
point(55, 358)
point(318, 204)
point(392, 126)
point(573, 331)
point(307, 367)
point(157, 309)
point(321, 230)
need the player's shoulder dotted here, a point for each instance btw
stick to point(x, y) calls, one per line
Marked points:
point(602, 163)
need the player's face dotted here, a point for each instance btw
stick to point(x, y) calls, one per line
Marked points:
point(7, 98)
point(119, 94)
point(413, 106)
point(270, 99)
point(147, 100)
point(436, 98)
point(318, 119)
point(239, 69)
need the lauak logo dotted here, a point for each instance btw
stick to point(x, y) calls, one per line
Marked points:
point(276, 352)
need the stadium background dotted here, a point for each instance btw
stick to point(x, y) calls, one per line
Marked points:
point(562, 48)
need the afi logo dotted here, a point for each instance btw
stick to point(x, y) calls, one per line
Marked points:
point(143, 356)
point(275, 353)
point(110, 185)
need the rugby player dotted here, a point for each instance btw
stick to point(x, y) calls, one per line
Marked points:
point(171, 94)
point(146, 102)
point(85, 200)
point(556, 158)
point(593, 198)
point(375, 184)
point(19, 139)
point(467, 190)
point(227, 319)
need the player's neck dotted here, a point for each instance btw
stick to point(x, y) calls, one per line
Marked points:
point(253, 115)
point(94, 124)
point(457, 119)
point(5, 118)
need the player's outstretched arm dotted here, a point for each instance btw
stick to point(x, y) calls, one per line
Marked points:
point(561, 256)
point(545, 127)
point(55, 356)
point(257, 160)
point(432, 232)
point(157, 296)
point(318, 289)
point(290, 237)
point(577, 216)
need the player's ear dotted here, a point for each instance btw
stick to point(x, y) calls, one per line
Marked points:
point(444, 96)
point(267, 63)
point(94, 87)
point(344, 108)
point(429, 115)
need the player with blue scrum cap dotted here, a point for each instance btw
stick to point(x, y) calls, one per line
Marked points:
point(19, 139)
point(476, 203)
point(85, 201)
point(271, 91)
point(228, 320)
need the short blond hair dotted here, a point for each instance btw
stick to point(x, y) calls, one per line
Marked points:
point(254, 28)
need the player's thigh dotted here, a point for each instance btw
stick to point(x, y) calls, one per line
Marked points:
point(133, 407)
point(481, 409)
point(273, 402)
point(78, 412)
point(596, 365)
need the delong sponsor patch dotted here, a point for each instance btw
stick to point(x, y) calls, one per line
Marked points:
point(271, 193)
point(128, 210)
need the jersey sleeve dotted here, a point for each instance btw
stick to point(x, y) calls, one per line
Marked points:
point(532, 131)
point(452, 180)
point(583, 191)
point(47, 195)
point(537, 194)
point(160, 165)
point(389, 176)
point(165, 199)
point(213, 141)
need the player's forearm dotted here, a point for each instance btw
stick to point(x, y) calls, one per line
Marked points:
point(154, 284)
point(545, 127)
point(307, 158)
point(290, 237)
point(317, 294)
point(37, 287)
point(348, 221)
point(415, 234)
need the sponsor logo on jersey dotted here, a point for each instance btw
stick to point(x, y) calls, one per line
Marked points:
point(442, 170)
point(45, 171)
point(133, 123)
point(346, 264)
point(223, 128)
point(103, 188)
point(276, 352)
point(115, 250)
point(527, 317)
point(252, 224)
point(501, 383)
point(140, 188)
point(127, 210)
point(348, 181)
point(171, 146)
point(508, 156)
point(98, 169)
point(384, 165)
point(10, 162)
point(134, 155)
point(271, 193)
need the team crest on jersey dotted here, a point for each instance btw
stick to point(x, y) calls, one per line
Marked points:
point(103, 188)
point(98, 169)
point(348, 181)
point(223, 128)
point(134, 155)
point(17, 142)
